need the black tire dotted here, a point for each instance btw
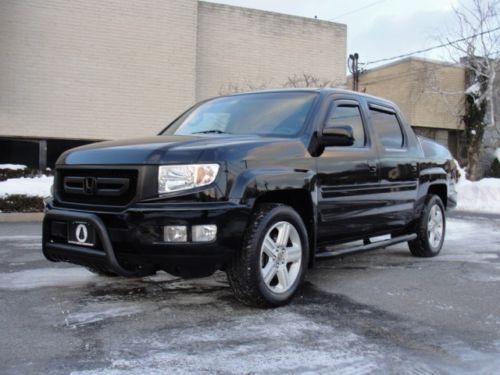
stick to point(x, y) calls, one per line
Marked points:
point(245, 271)
point(423, 246)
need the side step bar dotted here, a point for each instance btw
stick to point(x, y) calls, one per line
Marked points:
point(366, 247)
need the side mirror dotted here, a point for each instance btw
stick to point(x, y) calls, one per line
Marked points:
point(340, 135)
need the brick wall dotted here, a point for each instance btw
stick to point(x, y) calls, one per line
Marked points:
point(95, 69)
point(246, 48)
point(438, 95)
point(112, 69)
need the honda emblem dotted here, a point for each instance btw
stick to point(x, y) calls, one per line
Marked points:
point(89, 185)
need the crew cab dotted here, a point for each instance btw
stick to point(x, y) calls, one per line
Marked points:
point(259, 184)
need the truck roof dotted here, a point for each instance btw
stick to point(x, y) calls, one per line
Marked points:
point(320, 90)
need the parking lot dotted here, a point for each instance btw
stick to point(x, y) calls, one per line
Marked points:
point(377, 312)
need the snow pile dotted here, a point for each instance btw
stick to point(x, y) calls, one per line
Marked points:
point(36, 186)
point(14, 167)
point(480, 196)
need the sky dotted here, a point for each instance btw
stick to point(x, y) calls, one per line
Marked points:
point(375, 29)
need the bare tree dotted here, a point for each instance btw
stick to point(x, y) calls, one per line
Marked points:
point(302, 80)
point(309, 80)
point(476, 45)
point(231, 88)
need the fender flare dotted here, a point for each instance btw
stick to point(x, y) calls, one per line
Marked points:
point(252, 183)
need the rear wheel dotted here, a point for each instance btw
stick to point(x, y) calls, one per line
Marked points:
point(272, 262)
point(430, 229)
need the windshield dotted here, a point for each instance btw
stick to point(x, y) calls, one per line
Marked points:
point(279, 114)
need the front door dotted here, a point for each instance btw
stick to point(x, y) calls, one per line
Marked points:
point(347, 178)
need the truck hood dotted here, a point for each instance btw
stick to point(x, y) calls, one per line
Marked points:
point(182, 149)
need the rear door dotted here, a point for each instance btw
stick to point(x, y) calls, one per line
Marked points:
point(397, 167)
point(347, 177)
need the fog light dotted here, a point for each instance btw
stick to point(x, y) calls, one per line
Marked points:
point(204, 233)
point(175, 233)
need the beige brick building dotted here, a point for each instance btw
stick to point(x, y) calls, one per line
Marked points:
point(245, 47)
point(429, 93)
point(91, 70)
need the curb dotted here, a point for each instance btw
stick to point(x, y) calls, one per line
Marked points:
point(15, 217)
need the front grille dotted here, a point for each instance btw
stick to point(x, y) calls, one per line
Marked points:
point(96, 186)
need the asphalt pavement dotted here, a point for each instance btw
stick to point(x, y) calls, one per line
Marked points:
point(378, 312)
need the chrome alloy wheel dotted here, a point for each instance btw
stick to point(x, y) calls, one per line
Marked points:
point(281, 257)
point(435, 226)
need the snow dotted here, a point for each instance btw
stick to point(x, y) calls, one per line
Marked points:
point(46, 277)
point(20, 237)
point(74, 277)
point(479, 196)
point(97, 312)
point(35, 186)
point(473, 232)
point(14, 167)
point(474, 89)
point(242, 346)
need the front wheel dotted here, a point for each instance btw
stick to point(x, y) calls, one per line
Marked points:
point(272, 262)
point(430, 229)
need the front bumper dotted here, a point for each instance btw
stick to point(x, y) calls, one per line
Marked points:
point(134, 238)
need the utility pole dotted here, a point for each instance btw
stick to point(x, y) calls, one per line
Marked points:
point(352, 63)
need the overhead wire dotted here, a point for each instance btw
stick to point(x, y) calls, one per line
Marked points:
point(357, 10)
point(449, 43)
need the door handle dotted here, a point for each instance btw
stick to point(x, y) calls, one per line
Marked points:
point(372, 167)
point(414, 167)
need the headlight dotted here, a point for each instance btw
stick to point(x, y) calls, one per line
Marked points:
point(181, 177)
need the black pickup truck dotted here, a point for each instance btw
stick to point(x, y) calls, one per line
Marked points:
point(259, 184)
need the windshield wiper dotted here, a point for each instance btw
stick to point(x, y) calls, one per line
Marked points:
point(212, 131)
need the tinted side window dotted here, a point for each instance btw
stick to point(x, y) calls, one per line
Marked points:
point(386, 125)
point(348, 115)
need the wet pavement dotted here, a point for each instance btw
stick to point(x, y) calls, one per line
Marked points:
point(377, 312)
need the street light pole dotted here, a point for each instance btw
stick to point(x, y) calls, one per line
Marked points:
point(352, 62)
